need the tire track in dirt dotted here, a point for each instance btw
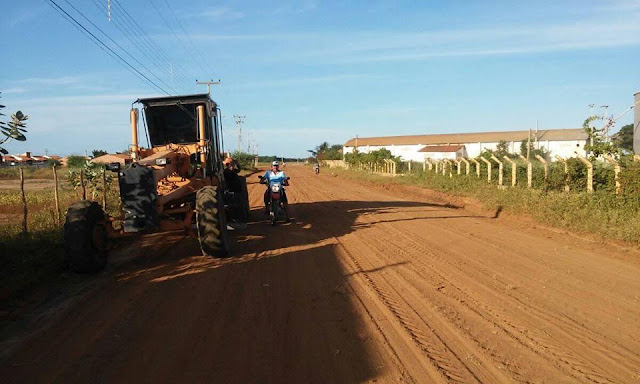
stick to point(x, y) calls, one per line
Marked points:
point(622, 354)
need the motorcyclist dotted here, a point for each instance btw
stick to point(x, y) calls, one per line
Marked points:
point(316, 167)
point(274, 175)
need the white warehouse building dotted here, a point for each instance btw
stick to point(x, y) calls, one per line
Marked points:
point(560, 142)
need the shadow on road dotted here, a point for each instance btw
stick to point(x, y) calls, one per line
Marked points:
point(280, 311)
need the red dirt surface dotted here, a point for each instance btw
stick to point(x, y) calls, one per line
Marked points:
point(362, 286)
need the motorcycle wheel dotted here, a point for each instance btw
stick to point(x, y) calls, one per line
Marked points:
point(274, 213)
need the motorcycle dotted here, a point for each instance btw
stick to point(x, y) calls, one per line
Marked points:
point(316, 169)
point(276, 205)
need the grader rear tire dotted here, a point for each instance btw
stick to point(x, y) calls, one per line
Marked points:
point(85, 237)
point(211, 223)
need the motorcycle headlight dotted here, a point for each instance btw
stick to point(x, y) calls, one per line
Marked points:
point(275, 188)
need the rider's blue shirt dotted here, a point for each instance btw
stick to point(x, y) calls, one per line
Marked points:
point(278, 177)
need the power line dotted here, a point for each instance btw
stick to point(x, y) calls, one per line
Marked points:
point(144, 36)
point(127, 32)
point(101, 44)
point(182, 45)
point(193, 46)
point(116, 44)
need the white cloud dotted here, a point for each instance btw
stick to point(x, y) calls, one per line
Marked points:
point(304, 80)
point(13, 91)
point(220, 13)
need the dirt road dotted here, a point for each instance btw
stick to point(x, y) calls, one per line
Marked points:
point(364, 285)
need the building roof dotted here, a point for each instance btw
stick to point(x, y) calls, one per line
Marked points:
point(441, 148)
point(476, 137)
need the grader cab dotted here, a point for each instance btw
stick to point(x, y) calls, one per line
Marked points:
point(177, 183)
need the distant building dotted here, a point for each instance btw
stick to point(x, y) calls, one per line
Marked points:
point(561, 142)
point(26, 159)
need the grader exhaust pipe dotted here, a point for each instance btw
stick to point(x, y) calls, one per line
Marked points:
point(201, 131)
point(134, 133)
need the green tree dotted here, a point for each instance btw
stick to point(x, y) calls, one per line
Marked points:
point(502, 149)
point(76, 161)
point(325, 151)
point(624, 138)
point(14, 129)
point(596, 143)
point(542, 151)
point(98, 153)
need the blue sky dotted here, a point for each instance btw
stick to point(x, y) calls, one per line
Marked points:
point(307, 71)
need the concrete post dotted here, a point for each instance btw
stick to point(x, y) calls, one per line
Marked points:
point(444, 167)
point(424, 166)
point(589, 173)
point(546, 166)
point(466, 163)
point(458, 163)
point(477, 166)
point(450, 164)
point(616, 170)
point(566, 172)
point(410, 166)
point(514, 171)
point(500, 168)
point(529, 172)
point(488, 168)
point(636, 158)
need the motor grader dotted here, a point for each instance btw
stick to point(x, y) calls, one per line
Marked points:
point(177, 183)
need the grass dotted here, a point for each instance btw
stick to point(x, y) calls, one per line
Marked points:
point(601, 213)
point(13, 173)
point(26, 260)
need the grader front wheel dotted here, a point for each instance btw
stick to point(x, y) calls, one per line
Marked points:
point(85, 237)
point(211, 223)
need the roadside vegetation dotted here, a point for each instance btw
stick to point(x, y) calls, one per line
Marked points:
point(28, 258)
point(602, 213)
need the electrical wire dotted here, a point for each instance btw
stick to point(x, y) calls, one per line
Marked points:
point(116, 44)
point(180, 43)
point(193, 46)
point(129, 34)
point(144, 36)
point(102, 45)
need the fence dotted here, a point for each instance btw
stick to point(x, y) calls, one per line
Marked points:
point(621, 177)
point(33, 205)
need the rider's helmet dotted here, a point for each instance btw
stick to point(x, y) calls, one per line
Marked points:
point(275, 164)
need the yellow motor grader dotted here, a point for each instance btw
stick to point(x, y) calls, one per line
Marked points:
point(177, 183)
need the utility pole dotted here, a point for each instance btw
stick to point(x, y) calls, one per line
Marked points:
point(208, 83)
point(239, 121)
